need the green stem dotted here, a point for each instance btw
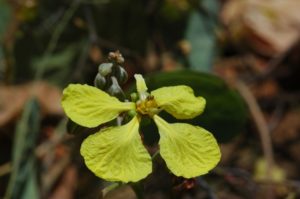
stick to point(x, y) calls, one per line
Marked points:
point(110, 187)
point(155, 155)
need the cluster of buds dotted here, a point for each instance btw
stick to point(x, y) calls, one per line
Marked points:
point(111, 75)
point(109, 78)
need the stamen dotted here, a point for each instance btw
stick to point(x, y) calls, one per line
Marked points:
point(148, 106)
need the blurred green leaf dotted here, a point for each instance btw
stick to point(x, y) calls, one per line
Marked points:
point(31, 189)
point(225, 113)
point(5, 14)
point(58, 66)
point(201, 35)
point(23, 180)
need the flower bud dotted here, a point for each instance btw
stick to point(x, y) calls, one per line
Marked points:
point(115, 89)
point(131, 113)
point(121, 75)
point(116, 57)
point(99, 81)
point(134, 97)
point(105, 68)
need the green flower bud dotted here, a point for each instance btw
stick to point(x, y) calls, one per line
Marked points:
point(115, 89)
point(134, 97)
point(121, 74)
point(131, 113)
point(105, 68)
point(99, 81)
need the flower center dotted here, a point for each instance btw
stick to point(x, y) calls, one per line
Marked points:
point(147, 106)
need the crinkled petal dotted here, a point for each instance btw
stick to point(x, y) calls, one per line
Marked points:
point(188, 150)
point(117, 153)
point(179, 101)
point(140, 83)
point(90, 107)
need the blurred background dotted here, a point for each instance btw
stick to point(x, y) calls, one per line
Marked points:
point(243, 56)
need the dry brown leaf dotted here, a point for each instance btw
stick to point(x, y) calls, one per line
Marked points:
point(270, 27)
point(13, 99)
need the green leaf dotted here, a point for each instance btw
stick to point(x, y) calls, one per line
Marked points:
point(201, 34)
point(225, 114)
point(23, 180)
point(5, 15)
point(57, 65)
point(31, 188)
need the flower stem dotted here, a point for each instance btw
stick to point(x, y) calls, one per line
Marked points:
point(110, 187)
point(155, 155)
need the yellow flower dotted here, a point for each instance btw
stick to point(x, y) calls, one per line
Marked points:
point(118, 154)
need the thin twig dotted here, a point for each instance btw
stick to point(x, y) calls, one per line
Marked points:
point(259, 120)
point(262, 128)
point(155, 155)
point(109, 188)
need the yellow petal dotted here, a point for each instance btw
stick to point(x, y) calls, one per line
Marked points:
point(117, 153)
point(140, 83)
point(90, 107)
point(188, 150)
point(179, 101)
